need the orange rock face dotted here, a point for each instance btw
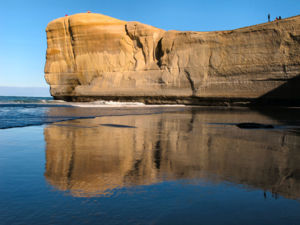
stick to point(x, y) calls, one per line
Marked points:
point(92, 56)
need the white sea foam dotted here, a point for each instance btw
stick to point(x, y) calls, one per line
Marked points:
point(57, 101)
point(117, 104)
point(106, 104)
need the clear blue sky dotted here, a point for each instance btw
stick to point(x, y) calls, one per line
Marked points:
point(22, 23)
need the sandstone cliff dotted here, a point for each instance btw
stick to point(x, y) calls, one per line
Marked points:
point(92, 56)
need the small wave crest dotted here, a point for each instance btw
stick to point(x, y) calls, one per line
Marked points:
point(24, 100)
point(102, 103)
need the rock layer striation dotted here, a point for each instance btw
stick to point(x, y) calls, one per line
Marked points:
point(92, 56)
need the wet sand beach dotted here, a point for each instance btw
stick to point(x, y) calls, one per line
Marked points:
point(153, 166)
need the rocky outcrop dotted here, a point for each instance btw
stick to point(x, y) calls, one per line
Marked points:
point(92, 56)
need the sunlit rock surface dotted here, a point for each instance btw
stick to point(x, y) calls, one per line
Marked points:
point(92, 157)
point(92, 56)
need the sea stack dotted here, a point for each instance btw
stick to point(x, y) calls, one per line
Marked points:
point(95, 57)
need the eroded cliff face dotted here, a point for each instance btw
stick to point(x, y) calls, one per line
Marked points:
point(92, 56)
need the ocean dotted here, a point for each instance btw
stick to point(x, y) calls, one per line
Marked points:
point(130, 163)
point(29, 111)
point(25, 111)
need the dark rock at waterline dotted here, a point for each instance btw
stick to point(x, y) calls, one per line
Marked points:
point(117, 125)
point(254, 126)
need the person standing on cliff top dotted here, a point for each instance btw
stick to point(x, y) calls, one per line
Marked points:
point(269, 17)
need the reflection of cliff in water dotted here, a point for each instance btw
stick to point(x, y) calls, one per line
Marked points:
point(89, 157)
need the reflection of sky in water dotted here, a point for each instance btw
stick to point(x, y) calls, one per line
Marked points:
point(170, 168)
point(30, 114)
